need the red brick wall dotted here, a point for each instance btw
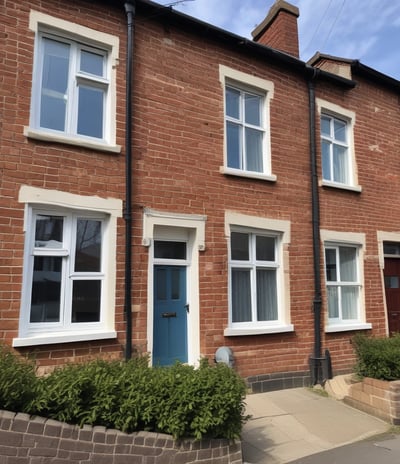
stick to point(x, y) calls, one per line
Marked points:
point(282, 34)
point(376, 148)
point(49, 165)
point(178, 150)
point(180, 101)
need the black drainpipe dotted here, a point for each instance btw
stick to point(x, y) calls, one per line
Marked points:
point(320, 368)
point(130, 13)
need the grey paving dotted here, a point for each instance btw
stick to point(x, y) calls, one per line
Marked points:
point(289, 425)
point(382, 450)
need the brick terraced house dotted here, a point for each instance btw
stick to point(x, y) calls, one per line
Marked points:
point(170, 188)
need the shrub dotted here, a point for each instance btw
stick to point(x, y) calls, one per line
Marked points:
point(17, 381)
point(130, 396)
point(378, 358)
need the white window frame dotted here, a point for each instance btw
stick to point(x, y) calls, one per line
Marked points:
point(334, 239)
point(80, 38)
point(334, 111)
point(265, 89)
point(280, 230)
point(41, 201)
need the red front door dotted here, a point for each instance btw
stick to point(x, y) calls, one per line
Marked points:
point(392, 290)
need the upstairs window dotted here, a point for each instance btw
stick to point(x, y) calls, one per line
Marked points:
point(247, 144)
point(244, 129)
point(72, 84)
point(335, 150)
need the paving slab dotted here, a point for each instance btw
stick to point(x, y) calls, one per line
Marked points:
point(370, 451)
point(290, 424)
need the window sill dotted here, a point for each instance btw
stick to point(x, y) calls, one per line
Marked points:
point(337, 185)
point(347, 327)
point(232, 331)
point(44, 339)
point(247, 174)
point(76, 141)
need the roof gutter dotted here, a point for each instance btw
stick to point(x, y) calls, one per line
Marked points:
point(166, 14)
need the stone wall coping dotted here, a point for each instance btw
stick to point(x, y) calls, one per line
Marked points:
point(42, 438)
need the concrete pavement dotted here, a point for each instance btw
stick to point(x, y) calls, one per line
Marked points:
point(382, 449)
point(289, 425)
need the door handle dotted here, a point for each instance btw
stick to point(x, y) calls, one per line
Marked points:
point(187, 307)
point(168, 314)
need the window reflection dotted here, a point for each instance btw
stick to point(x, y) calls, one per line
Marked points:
point(49, 231)
point(46, 289)
point(86, 301)
point(88, 246)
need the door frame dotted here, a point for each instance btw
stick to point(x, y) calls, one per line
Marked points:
point(385, 237)
point(158, 225)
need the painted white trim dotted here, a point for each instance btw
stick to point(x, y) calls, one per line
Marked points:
point(173, 226)
point(383, 236)
point(250, 82)
point(40, 21)
point(227, 73)
point(153, 217)
point(34, 197)
point(347, 327)
point(357, 239)
point(255, 222)
point(249, 174)
point(282, 229)
point(63, 338)
point(326, 183)
point(233, 331)
point(47, 136)
point(332, 109)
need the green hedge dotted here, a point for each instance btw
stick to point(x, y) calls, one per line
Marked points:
point(17, 381)
point(378, 358)
point(130, 396)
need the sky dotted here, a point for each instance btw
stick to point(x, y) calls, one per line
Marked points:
point(366, 30)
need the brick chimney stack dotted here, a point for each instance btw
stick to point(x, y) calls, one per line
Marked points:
point(279, 28)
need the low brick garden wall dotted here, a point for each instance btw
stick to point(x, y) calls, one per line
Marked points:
point(377, 397)
point(30, 440)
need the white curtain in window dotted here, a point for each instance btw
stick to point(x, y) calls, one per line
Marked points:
point(267, 305)
point(349, 302)
point(340, 171)
point(333, 306)
point(241, 295)
point(254, 150)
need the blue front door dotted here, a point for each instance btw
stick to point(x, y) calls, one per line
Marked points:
point(170, 315)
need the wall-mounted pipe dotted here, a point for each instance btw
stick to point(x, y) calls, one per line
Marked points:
point(130, 14)
point(316, 360)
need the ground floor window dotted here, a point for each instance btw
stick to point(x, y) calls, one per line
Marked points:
point(259, 293)
point(253, 263)
point(69, 270)
point(343, 282)
point(65, 268)
point(344, 277)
